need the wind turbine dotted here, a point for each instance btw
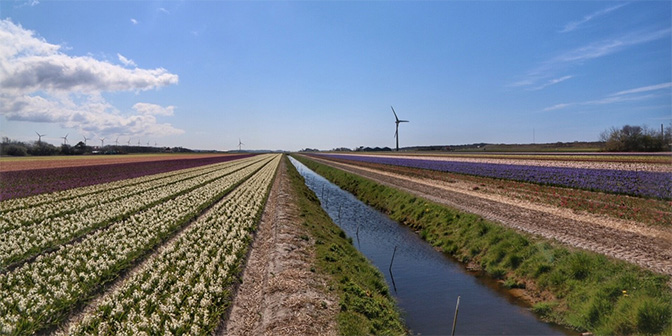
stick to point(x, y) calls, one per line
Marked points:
point(39, 137)
point(139, 142)
point(240, 144)
point(129, 141)
point(397, 121)
point(116, 142)
point(102, 142)
point(65, 139)
point(85, 138)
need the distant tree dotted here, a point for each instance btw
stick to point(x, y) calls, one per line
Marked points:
point(636, 139)
point(12, 147)
point(41, 148)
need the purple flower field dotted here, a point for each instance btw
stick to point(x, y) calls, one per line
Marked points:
point(638, 183)
point(16, 184)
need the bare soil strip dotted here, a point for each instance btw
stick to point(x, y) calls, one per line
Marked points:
point(647, 246)
point(279, 294)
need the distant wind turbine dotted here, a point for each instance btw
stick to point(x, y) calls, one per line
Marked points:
point(240, 145)
point(129, 141)
point(39, 137)
point(147, 142)
point(139, 142)
point(102, 142)
point(85, 138)
point(116, 142)
point(65, 139)
point(156, 144)
point(397, 121)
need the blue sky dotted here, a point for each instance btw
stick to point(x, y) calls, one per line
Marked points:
point(323, 74)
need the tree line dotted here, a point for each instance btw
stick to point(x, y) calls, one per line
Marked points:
point(637, 139)
point(10, 147)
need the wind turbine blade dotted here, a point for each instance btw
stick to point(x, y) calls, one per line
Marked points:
point(395, 114)
point(403, 121)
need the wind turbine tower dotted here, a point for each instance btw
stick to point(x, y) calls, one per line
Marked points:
point(116, 142)
point(397, 121)
point(102, 142)
point(65, 139)
point(85, 138)
point(240, 145)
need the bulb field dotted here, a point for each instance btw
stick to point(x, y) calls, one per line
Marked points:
point(60, 250)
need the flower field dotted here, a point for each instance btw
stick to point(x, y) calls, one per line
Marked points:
point(629, 182)
point(56, 255)
point(22, 183)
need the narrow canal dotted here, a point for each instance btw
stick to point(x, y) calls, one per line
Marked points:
point(425, 282)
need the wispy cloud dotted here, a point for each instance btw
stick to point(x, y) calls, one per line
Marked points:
point(552, 82)
point(607, 47)
point(618, 97)
point(134, 21)
point(126, 61)
point(42, 84)
point(163, 10)
point(571, 26)
point(645, 89)
point(543, 74)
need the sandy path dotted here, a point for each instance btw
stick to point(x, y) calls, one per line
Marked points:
point(647, 246)
point(279, 294)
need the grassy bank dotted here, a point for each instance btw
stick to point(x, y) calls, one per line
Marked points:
point(365, 301)
point(580, 289)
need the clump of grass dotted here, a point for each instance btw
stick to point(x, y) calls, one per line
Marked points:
point(590, 291)
point(366, 306)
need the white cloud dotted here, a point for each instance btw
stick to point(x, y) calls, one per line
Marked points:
point(645, 89)
point(153, 109)
point(134, 21)
point(615, 98)
point(42, 84)
point(126, 61)
point(576, 24)
point(541, 76)
point(552, 82)
point(163, 10)
point(607, 47)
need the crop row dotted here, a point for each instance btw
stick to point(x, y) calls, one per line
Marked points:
point(32, 238)
point(16, 184)
point(183, 288)
point(14, 204)
point(37, 208)
point(40, 293)
point(638, 183)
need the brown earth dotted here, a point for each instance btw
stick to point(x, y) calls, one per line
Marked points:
point(30, 163)
point(279, 295)
point(647, 246)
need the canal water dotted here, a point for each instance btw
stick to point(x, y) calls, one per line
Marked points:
point(425, 282)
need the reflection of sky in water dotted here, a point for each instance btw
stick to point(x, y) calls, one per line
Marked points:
point(427, 282)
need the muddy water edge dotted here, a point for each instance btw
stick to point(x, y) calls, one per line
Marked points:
point(425, 282)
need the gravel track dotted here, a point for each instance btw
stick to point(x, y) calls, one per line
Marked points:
point(279, 294)
point(647, 246)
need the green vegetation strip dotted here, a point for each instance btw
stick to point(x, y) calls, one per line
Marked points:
point(583, 290)
point(365, 301)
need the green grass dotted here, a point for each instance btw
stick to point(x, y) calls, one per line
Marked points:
point(588, 291)
point(366, 306)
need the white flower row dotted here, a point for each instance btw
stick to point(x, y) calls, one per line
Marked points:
point(27, 240)
point(42, 291)
point(105, 193)
point(182, 288)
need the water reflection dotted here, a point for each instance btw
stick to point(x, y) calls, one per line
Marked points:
point(426, 283)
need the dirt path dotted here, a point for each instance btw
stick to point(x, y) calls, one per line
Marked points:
point(279, 294)
point(647, 246)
